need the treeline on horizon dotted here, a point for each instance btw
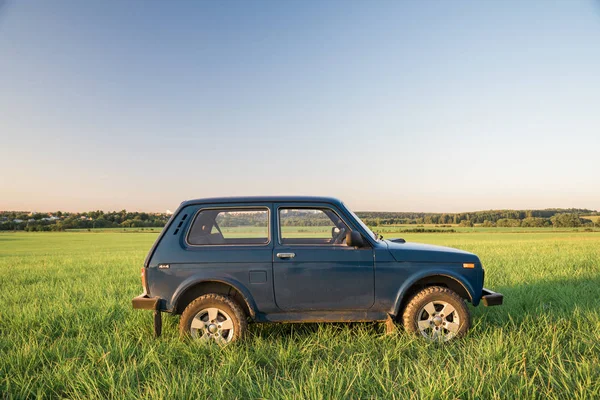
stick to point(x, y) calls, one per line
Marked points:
point(557, 217)
point(60, 221)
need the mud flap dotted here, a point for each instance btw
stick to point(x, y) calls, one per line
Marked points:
point(390, 325)
point(157, 323)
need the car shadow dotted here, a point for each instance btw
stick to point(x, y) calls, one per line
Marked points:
point(269, 331)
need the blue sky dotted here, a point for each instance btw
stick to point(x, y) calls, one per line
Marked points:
point(389, 105)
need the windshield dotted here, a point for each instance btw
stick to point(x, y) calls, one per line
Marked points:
point(365, 227)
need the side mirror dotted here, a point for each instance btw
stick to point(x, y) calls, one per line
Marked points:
point(335, 231)
point(354, 239)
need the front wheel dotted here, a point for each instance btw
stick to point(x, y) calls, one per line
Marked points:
point(438, 314)
point(213, 318)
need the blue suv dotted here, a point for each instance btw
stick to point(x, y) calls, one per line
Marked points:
point(224, 262)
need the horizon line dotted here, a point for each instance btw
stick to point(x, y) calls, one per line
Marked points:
point(357, 211)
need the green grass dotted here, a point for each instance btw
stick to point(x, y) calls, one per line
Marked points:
point(67, 329)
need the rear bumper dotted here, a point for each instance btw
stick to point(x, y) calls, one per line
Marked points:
point(490, 298)
point(144, 302)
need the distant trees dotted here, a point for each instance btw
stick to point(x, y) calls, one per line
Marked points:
point(568, 220)
point(488, 218)
point(445, 219)
point(23, 220)
point(535, 222)
point(508, 223)
point(58, 221)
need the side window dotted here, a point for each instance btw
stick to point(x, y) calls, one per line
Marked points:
point(311, 226)
point(230, 226)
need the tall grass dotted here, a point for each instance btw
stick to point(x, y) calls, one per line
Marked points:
point(67, 329)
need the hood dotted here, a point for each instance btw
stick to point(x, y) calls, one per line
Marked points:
point(419, 252)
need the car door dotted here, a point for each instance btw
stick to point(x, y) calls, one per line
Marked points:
point(313, 268)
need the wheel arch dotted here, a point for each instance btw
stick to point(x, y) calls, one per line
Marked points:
point(194, 289)
point(452, 282)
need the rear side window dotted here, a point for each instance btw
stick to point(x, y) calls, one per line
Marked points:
point(230, 226)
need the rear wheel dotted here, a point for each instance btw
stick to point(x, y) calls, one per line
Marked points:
point(213, 318)
point(438, 314)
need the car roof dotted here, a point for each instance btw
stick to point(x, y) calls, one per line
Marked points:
point(263, 199)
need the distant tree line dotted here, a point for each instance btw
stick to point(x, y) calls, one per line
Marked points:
point(60, 221)
point(251, 218)
point(289, 218)
point(293, 217)
point(556, 217)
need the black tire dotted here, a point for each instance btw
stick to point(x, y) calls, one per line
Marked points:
point(437, 326)
point(228, 310)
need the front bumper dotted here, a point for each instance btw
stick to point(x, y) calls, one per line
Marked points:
point(144, 302)
point(491, 298)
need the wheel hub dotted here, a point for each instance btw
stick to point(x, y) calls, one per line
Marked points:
point(212, 323)
point(438, 320)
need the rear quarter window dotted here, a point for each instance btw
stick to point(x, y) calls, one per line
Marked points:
point(230, 226)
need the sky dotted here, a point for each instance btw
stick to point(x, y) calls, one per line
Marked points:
point(389, 105)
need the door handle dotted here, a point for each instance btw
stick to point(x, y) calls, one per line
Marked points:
point(286, 255)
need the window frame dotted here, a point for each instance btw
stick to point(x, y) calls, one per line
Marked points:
point(295, 207)
point(241, 208)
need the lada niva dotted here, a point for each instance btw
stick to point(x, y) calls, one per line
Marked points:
point(222, 263)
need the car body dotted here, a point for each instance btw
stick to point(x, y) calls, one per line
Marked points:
point(296, 259)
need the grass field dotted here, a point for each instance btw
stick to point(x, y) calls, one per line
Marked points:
point(67, 329)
